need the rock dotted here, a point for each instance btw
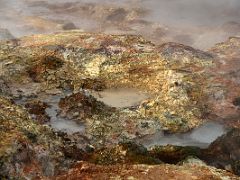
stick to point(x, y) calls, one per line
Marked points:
point(37, 108)
point(193, 161)
point(76, 146)
point(225, 78)
point(85, 170)
point(225, 151)
point(174, 154)
point(43, 69)
point(178, 76)
point(80, 106)
point(187, 87)
point(27, 149)
point(69, 26)
point(4, 89)
point(124, 153)
point(236, 101)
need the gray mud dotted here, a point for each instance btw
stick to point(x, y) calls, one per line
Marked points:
point(57, 122)
point(121, 97)
point(201, 137)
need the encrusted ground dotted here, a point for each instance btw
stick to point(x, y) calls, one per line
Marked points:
point(187, 87)
point(188, 170)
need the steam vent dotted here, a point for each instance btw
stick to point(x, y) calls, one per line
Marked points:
point(109, 90)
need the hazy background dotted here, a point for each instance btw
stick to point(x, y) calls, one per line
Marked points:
point(199, 23)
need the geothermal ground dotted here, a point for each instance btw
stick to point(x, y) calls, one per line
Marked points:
point(75, 100)
point(96, 90)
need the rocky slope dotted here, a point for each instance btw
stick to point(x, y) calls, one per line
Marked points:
point(186, 88)
point(188, 170)
point(26, 147)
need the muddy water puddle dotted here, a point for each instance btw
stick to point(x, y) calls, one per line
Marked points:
point(57, 122)
point(200, 137)
point(121, 97)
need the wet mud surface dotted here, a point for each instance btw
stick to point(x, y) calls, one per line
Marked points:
point(122, 97)
point(201, 137)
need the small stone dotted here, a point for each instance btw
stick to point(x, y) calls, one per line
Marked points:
point(89, 148)
point(76, 114)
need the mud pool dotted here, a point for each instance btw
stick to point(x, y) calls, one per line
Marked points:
point(122, 97)
point(201, 137)
point(57, 122)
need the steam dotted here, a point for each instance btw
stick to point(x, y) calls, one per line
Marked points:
point(200, 24)
point(193, 12)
